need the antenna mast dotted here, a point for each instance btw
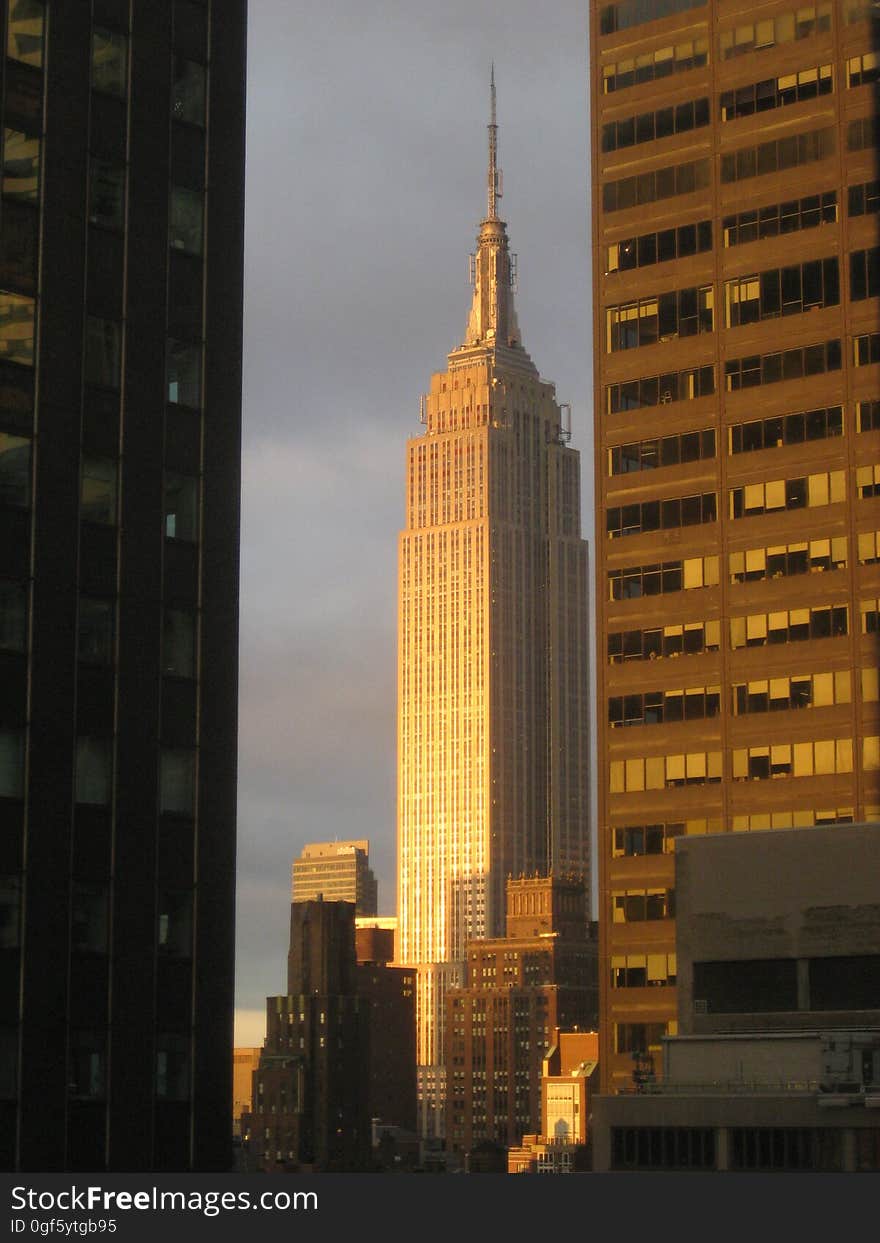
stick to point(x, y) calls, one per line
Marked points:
point(495, 178)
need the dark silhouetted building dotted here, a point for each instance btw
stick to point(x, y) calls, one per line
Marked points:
point(120, 421)
point(310, 1097)
point(389, 993)
point(519, 989)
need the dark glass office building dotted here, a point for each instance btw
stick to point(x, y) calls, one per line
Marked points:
point(121, 238)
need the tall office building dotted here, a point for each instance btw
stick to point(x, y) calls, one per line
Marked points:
point(492, 648)
point(736, 274)
point(338, 872)
point(120, 382)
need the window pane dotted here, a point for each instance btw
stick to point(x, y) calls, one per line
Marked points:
point(184, 373)
point(98, 493)
point(181, 509)
point(15, 470)
point(177, 782)
point(188, 92)
point(24, 39)
point(103, 352)
point(18, 247)
point(21, 165)
point(17, 328)
point(11, 763)
point(93, 757)
point(109, 61)
point(106, 194)
point(179, 643)
point(13, 617)
point(95, 631)
point(185, 227)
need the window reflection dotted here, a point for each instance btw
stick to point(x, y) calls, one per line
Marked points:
point(15, 470)
point(185, 227)
point(93, 766)
point(184, 373)
point(103, 352)
point(177, 771)
point(98, 490)
point(109, 61)
point(11, 763)
point(13, 617)
point(24, 37)
point(179, 643)
point(95, 631)
point(188, 92)
point(181, 507)
point(106, 194)
point(17, 328)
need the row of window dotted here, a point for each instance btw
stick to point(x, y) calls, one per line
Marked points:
point(825, 621)
point(661, 390)
point(794, 364)
point(777, 155)
point(657, 839)
point(660, 247)
point(651, 66)
point(786, 27)
point(808, 492)
point(635, 581)
point(864, 274)
point(661, 451)
point(760, 821)
point(652, 187)
point(788, 88)
point(635, 906)
point(683, 639)
point(642, 970)
point(627, 13)
point(810, 690)
point(679, 313)
point(660, 772)
point(788, 429)
point(780, 218)
point(782, 560)
point(679, 511)
point(816, 758)
point(648, 126)
point(860, 70)
point(696, 703)
point(782, 291)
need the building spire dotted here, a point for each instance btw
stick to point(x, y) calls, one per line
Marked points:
point(495, 184)
point(492, 320)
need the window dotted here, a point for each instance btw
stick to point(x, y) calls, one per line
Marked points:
point(863, 134)
point(662, 771)
point(801, 759)
point(787, 429)
point(181, 507)
point(860, 70)
point(174, 931)
point(790, 88)
point(106, 194)
point(13, 616)
point(649, 126)
point(683, 313)
point(179, 643)
point(869, 547)
point(642, 970)
point(653, 187)
point(781, 560)
point(864, 199)
point(789, 626)
point(660, 390)
point(809, 690)
point(17, 329)
point(177, 770)
point(777, 155)
point(866, 349)
point(684, 639)
point(660, 515)
point(868, 416)
point(87, 1066)
point(172, 1068)
point(781, 291)
point(21, 166)
point(655, 707)
point(24, 34)
point(89, 919)
point(667, 451)
point(659, 63)
point(103, 362)
point(636, 581)
point(188, 91)
point(640, 905)
point(864, 274)
point(109, 61)
point(807, 492)
point(792, 364)
point(96, 627)
point(650, 248)
point(93, 770)
point(784, 28)
point(98, 490)
point(185, 225)
point(780, 218)
point(868, 481)
point(15, 470)
point(656, 839)
point(627, 13)
point(184, 373)
point(18, 247)
point(11, 763)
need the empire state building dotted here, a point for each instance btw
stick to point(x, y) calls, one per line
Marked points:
point(493, 680)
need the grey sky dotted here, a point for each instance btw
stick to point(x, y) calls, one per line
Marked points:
point(366, 176)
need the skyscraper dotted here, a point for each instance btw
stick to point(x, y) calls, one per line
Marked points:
point(492, 647)
point(336, 871)
point(736, 274)
point(120, 418)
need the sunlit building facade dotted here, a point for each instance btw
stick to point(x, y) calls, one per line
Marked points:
point(492, 649)
point(737, 432)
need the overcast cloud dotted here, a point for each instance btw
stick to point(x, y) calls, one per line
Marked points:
point(366, 174)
